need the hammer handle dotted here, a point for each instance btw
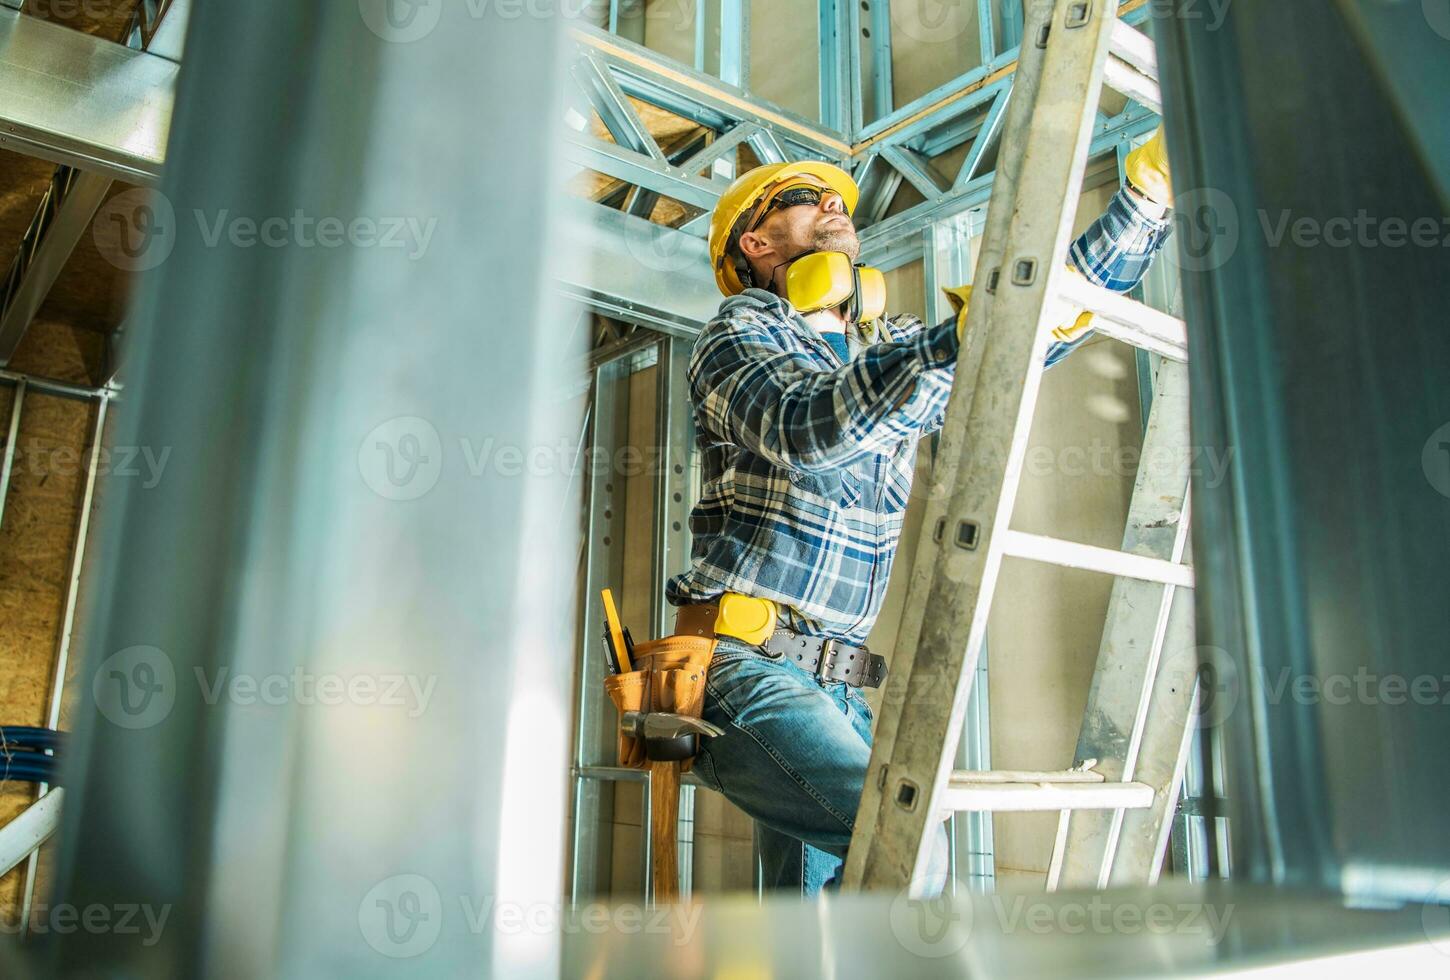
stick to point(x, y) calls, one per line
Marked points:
point(664, 808)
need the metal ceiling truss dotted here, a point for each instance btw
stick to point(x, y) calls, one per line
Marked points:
point(898, 148)
point(74, 195)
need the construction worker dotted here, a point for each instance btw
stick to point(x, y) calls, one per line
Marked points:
point(808, 406)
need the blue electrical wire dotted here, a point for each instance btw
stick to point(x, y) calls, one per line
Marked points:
point(23, 756)
point(29, 737)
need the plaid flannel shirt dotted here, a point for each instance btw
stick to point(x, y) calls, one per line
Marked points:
point(808, 460)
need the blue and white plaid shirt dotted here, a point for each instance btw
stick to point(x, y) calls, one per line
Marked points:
point(808, 460)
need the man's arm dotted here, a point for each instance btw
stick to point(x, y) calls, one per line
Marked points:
point(1116, 251)
point(754, 394)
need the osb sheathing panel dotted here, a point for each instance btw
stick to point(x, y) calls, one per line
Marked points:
point(23, 181)
point(55, 350)
point(36, 540)
point(110, 19)
point(90, 292)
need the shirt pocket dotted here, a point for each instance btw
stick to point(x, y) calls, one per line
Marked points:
point(839, 487)
point(899, 474)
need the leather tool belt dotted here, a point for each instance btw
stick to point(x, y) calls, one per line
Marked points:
point(829, 660)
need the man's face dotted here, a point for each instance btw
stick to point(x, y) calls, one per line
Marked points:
point(787, 232)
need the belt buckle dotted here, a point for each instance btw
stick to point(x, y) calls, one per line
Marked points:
point(828, 653)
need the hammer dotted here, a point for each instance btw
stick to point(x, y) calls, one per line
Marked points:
point(668, 740)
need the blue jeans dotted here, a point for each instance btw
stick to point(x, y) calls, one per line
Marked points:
point(793, 757)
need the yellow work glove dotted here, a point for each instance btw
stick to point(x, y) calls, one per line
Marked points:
point(1076, 321)
point(1147, 169)
point(959, 297)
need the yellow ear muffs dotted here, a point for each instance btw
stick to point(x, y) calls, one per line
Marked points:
point(819, 281)
point(870, 293)
point(823, 280)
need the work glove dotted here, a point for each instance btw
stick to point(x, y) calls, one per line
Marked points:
point(1147, 169)
point(1075, 320)
point(959, 297)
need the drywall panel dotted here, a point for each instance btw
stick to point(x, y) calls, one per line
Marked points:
point(1047, 622)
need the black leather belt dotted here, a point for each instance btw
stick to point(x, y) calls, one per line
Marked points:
point(829, 660)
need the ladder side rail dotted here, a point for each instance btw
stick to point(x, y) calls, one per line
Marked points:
point(916, 762)
point(994, 242)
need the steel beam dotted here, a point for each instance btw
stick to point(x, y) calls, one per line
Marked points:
point(63, 216)
point(1322, 555)
point(332, 510)
point(639, 271)
point(83, 101)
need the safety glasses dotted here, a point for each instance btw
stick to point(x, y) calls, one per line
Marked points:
point(789, 196)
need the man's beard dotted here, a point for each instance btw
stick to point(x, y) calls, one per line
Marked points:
point(836, 237)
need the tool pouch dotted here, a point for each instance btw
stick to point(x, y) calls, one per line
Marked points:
point(669, 676)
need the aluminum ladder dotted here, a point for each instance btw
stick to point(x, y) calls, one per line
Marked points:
point(1118, 798)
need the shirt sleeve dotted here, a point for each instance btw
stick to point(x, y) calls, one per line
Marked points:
point(753, 393)
point(1116, 251)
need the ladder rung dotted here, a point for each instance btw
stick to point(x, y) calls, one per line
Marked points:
point(1127, 319)
point(965, 794)
point(1123, 77)
point(1071, 554)
point(1027, 776)
point(1135, 48)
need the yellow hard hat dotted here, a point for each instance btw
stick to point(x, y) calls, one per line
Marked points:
point(746, 192)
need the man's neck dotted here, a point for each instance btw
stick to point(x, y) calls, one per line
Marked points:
point(826, 321)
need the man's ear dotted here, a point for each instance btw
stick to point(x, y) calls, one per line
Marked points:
point(754, 245)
